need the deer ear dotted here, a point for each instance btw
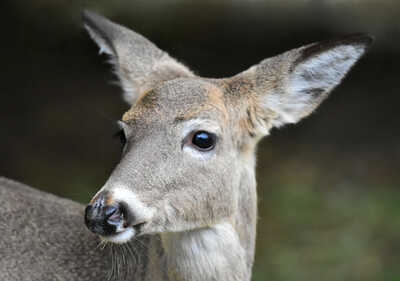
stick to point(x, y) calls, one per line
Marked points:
point(137, 62)
point(290, 86)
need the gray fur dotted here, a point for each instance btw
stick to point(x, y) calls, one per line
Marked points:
point(43, 238)
point(199, 208)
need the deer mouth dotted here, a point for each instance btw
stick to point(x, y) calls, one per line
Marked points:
point(125, 234)
point(114, 219)
point(121, 237)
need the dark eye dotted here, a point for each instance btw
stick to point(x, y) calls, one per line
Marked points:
point(203, 140)
point(121, 136)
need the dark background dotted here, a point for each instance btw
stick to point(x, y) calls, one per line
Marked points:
point(328, 187)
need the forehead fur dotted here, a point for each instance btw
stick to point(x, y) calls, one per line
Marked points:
point(178, 99)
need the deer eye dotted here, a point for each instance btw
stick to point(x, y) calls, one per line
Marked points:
point(121, 136)
point(204, 141)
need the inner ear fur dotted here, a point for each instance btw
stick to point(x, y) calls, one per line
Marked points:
point(288, 87)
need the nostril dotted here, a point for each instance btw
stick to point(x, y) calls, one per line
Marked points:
point(110, 210)
point(104, 220)
point(113, 215)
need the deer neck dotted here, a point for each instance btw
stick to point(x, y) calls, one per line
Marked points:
point(224, 251)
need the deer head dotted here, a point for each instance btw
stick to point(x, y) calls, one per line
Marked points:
point(189, 142)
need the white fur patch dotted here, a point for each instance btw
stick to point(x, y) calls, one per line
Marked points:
point(121, 193)
point(311, 81)
point(199, 124)
point(325, 70)
point(204, 254)
point(103, 46)
point(121, 237)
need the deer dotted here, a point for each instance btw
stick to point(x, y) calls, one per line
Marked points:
point(181, 205)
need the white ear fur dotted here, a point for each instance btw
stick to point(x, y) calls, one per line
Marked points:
point(104, 47)
point(316, 76)
point(305, 76)
point(325, 70)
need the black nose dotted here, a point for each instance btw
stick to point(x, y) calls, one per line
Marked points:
point(103, 219)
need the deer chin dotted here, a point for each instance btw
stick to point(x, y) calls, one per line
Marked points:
point(121, 237)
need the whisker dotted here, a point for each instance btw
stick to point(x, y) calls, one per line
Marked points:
point(111, 273)
point(125, 258)
point(141, 243)
point(102, 244)
point(136, 259)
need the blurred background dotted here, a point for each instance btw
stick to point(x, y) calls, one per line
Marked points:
point(329, 193)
